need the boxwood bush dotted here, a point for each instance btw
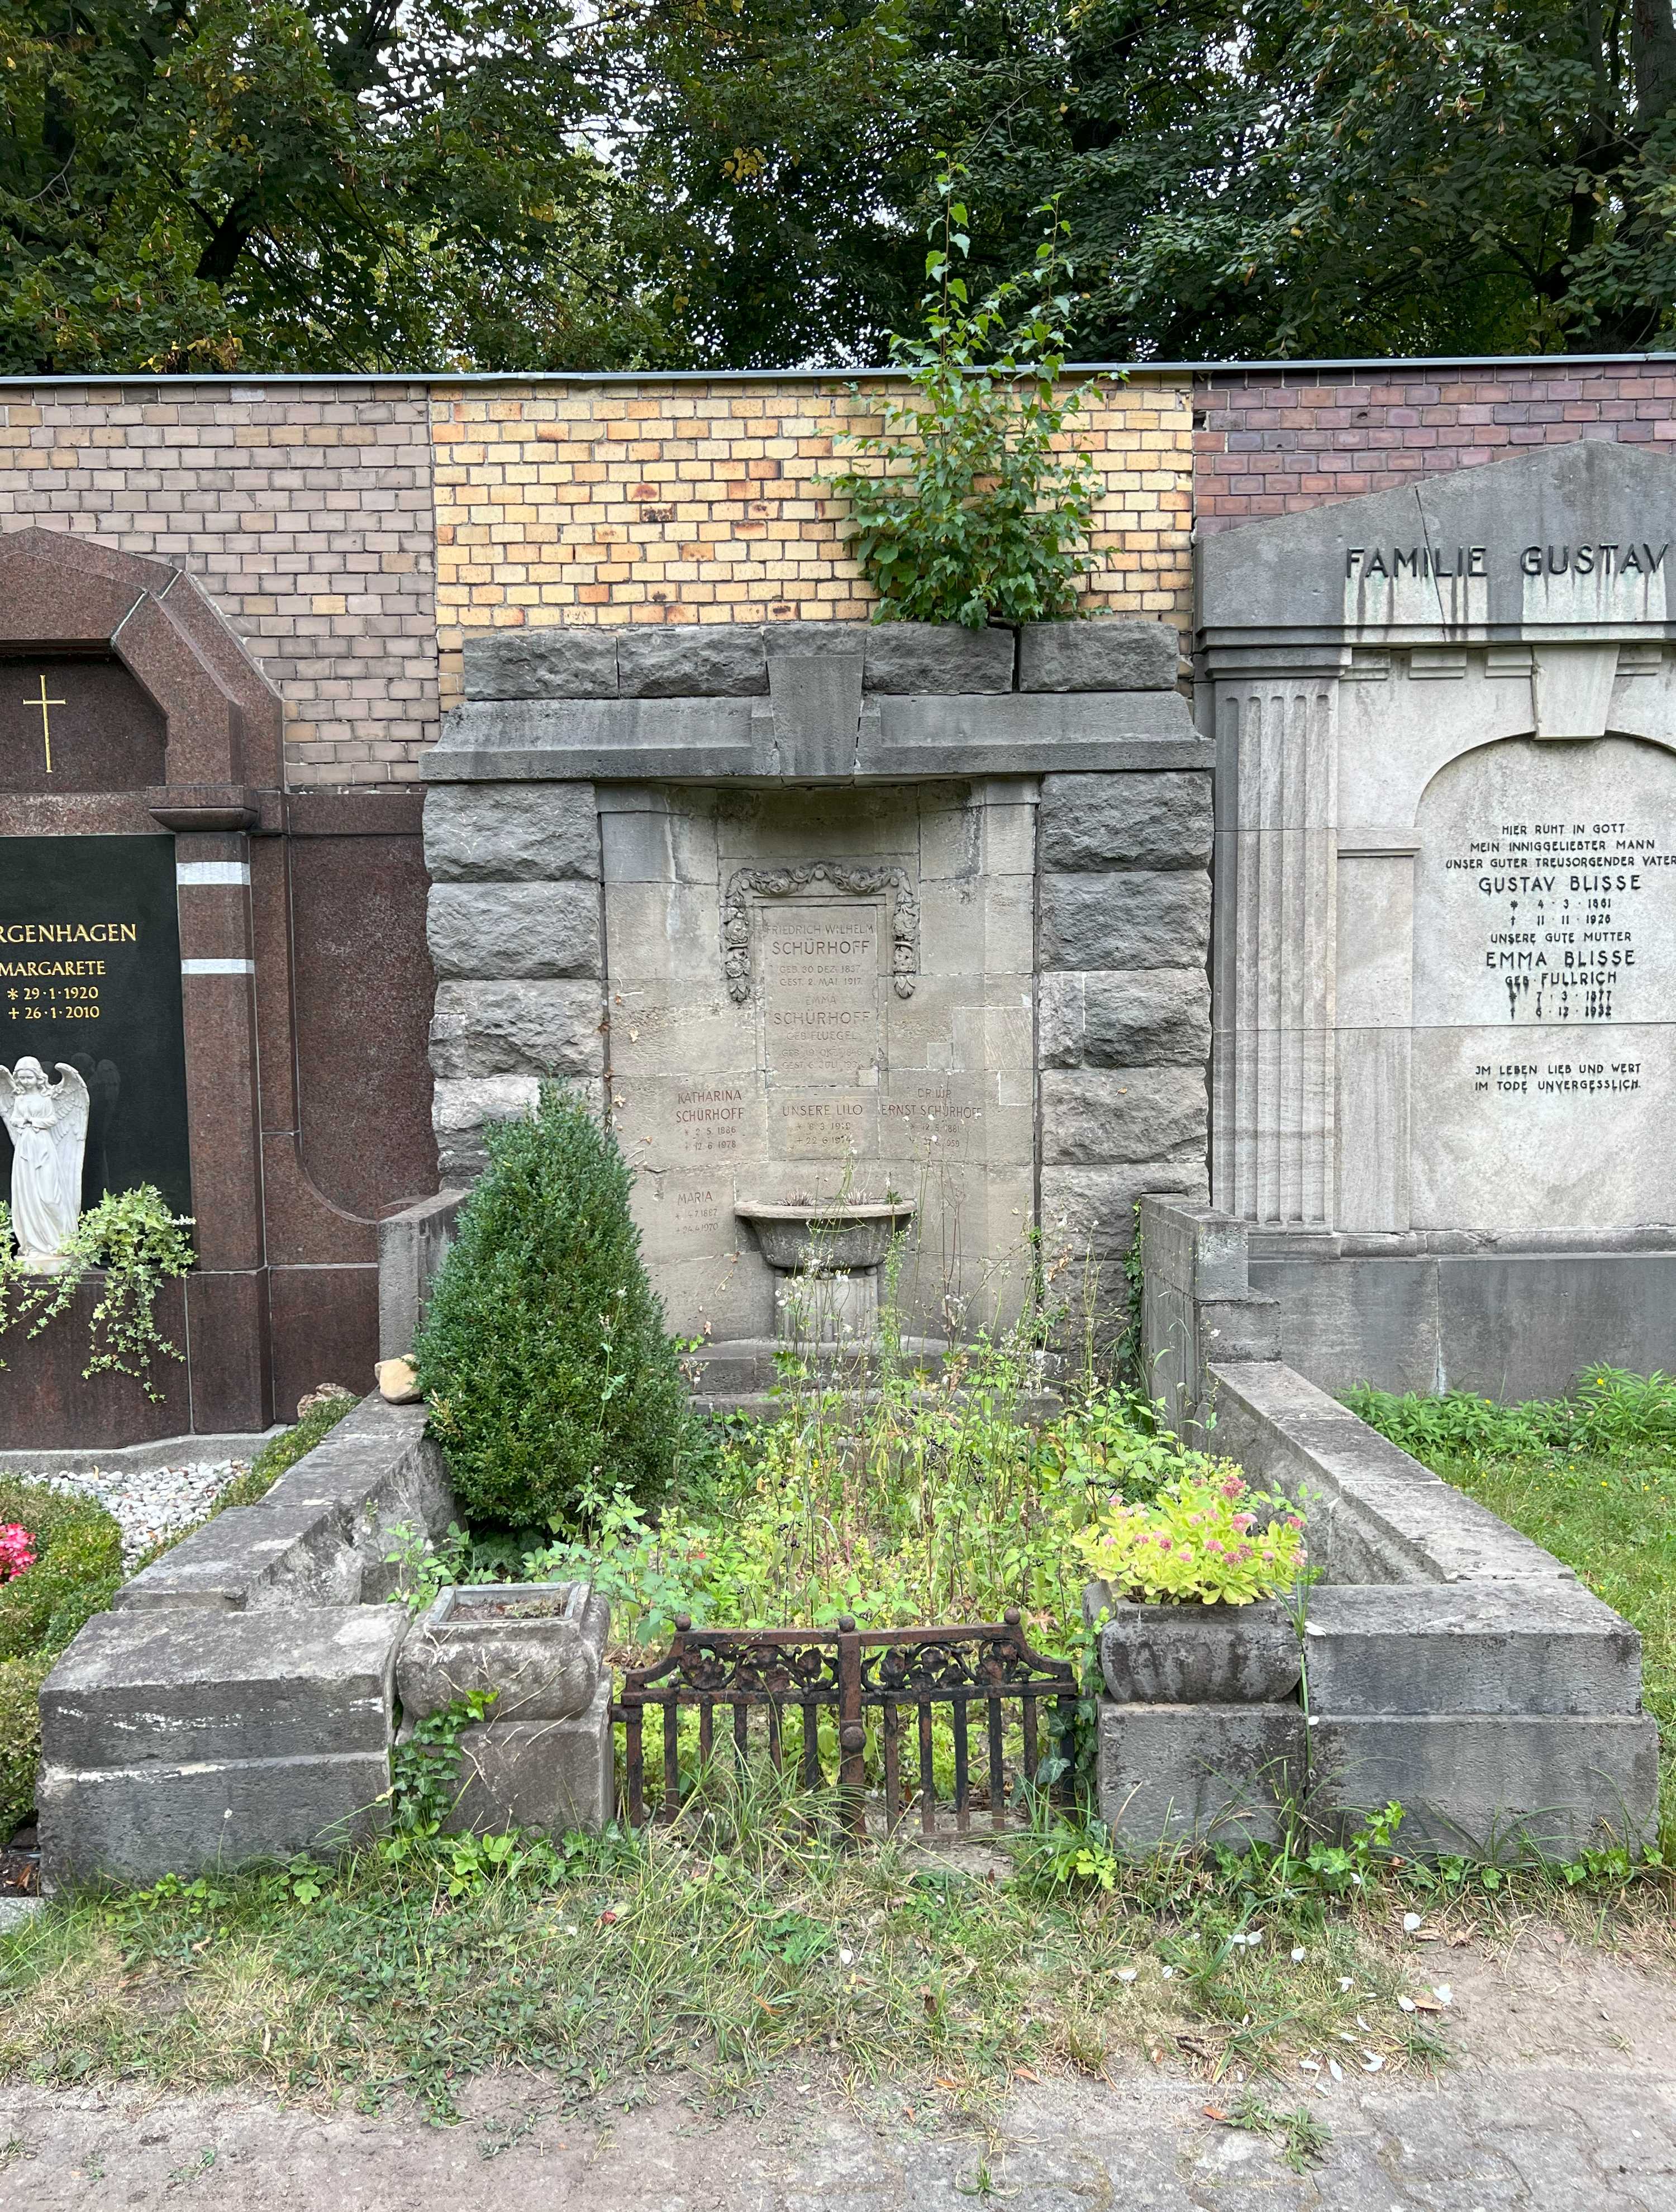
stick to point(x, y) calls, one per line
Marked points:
point(77, 1569)
point(550, 1376)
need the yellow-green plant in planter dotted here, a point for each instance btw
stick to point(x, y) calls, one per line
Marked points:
point(1208, 1539)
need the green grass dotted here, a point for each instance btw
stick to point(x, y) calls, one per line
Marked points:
point(1591, 1477)
point(1612, 1518)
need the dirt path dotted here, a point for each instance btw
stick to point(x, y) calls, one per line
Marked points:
point(1562, 2098)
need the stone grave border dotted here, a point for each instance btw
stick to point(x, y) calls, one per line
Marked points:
point(1450, 1663)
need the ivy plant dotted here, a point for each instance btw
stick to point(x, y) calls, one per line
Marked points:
point(982, 511)
point(138, 1243)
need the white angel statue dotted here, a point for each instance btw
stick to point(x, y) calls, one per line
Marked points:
point(47, 1124)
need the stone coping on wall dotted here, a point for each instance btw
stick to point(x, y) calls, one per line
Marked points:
point(1375, 1514)
point(319, 1536)
point(817, 701)
point(1452, 1665)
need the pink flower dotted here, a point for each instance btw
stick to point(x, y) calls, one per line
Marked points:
point(17, 1551)
point(1164, 1543)
point(1233, 1487)
point(1243, 1522)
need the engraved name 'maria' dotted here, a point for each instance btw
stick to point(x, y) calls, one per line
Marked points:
point(1445, 563)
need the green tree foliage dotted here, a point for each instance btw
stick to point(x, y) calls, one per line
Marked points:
point(550, 1376)
point(1245, 177)
point(975, 514)
point(521, 183)
point(302, 184)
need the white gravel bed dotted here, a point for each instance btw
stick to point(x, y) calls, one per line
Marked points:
point(152, 1504)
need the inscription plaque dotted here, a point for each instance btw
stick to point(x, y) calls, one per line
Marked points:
point(821, 995)
point(90, 974)
point(1544, 936)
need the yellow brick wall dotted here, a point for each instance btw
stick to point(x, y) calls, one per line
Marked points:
point(672, 502)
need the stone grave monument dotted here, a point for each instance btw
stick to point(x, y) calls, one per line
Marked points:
point(837, 916)
point(1444, 1088)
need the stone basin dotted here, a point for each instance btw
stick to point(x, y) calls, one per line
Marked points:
point(539, 1647)
point(837, 1238)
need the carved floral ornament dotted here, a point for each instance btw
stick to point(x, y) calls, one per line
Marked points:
point(782, 883)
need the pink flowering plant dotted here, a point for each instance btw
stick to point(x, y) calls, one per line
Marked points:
point(17, 1550)
point(1207, 1539)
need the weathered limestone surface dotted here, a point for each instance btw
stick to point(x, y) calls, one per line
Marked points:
point(179, 1738)
point(1173, 1774)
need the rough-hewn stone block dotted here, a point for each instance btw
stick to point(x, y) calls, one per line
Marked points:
point(1101, 655)
point(938, 657)
point(1141, 919)
point(1158, 820)
point(1091, 1116)
point(1170, 1774)
point(517, 1029)
point(492, 931)
point(678, 660)
point(1089, 1211)
point(492, 833)
point(1160, 1016)
point(552, 662)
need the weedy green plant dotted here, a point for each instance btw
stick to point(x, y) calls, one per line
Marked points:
point(543, 1356)
point(1608, 1410)
point(139, 1243)
point(424, 1767)
point(979, 512)
point(1303, 2140)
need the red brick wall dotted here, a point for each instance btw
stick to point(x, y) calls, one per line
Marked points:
point(1270, 441)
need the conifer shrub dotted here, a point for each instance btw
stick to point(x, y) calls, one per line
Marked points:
point(544, 1356)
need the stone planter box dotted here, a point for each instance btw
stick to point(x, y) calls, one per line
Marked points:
point(542, 1759)
point(1195, 1655)
point(537, 1646)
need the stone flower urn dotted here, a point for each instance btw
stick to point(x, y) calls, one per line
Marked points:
point(541, 1758)
point(826, 1261)
point(1194, 1655)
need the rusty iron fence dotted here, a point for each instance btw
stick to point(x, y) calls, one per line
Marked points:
point(982, 1677)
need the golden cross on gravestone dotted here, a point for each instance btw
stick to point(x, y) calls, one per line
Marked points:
point(43, 702)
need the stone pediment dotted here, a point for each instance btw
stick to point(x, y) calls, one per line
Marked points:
point(1574, 536)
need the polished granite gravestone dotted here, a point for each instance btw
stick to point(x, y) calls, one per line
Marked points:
point(1444, 1068)
point(90, 974)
